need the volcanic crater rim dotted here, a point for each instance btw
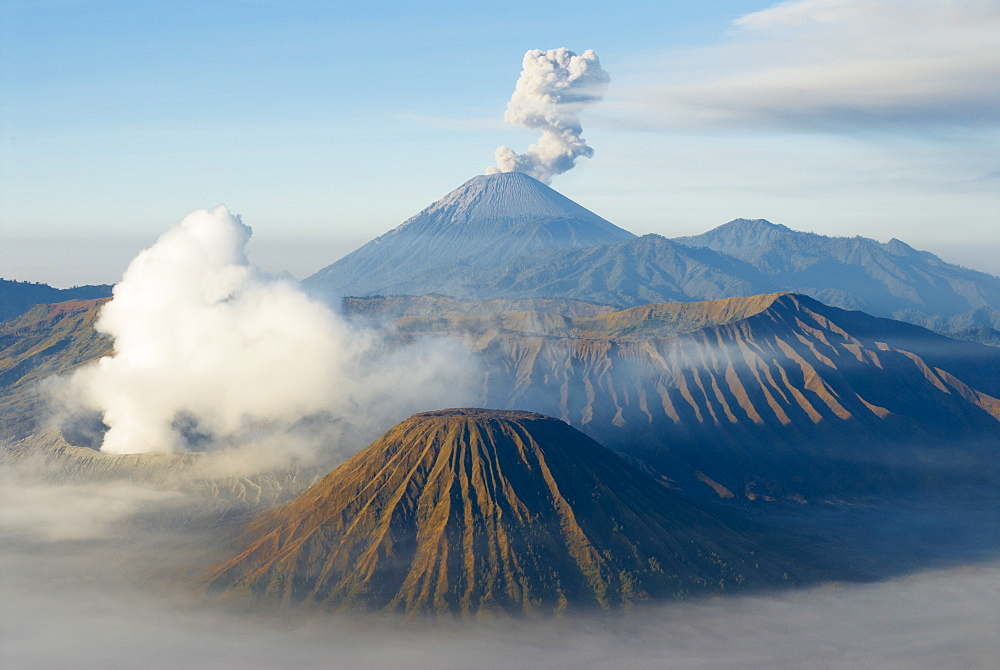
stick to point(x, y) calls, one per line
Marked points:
point(483, 413)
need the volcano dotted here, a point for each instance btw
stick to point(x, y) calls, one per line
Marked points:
point(510, 237)
point(483, 224)
point(471, 510)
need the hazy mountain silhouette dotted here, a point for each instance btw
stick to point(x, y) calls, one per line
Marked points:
point(644, 270)
point(886, 279)
point(17, 297)
point(508, 237)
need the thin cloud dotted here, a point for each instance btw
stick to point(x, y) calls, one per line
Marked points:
point(833, 65)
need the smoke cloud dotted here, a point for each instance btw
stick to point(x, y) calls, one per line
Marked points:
point(553, 89)
point(210, 351)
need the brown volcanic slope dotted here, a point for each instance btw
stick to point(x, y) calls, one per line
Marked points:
point(775, 394)
point(470, 510)
point(50, 338)
point(46, 340)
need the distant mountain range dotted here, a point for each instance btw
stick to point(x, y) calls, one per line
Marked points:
point(885, 279)
point(17, 297)
point(508, 236)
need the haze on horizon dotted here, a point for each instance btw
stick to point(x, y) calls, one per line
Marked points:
point(841, 117)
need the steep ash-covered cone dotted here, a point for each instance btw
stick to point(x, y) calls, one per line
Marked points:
point(483, 224)
point(471, 510)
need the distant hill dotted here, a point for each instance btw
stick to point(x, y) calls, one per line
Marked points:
point(886, 279)
point(470, 511)
point(17, 297)
point(982, 335)
point(509, 237)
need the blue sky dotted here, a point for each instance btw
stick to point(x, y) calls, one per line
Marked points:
point(326, 123)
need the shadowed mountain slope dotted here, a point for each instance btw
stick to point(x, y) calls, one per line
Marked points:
point(17, 297)
point(644, 270)
point(770, 395)
point(50, 338)
point(472, 510)
point(486, 222)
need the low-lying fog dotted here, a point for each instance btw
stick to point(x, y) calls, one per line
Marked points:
point(84, 587)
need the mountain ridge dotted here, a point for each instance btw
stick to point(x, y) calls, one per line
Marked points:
point(885, 279)
point(46, 340)
point(774, 395)
point(797, 397)
point(509, 237)
point(17, 297)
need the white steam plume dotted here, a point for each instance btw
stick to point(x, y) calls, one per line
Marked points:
point(553, 89)
point(207, 349)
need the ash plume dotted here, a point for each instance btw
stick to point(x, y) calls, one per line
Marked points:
point(554, 87)
point(208, 350)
